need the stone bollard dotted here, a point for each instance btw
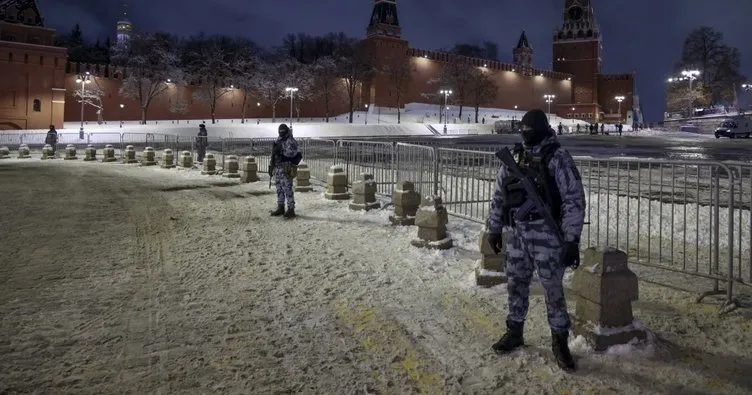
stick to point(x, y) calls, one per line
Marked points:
point(108, 154)
point(432, 219)
point(210, 165)
point(168, 159)
point(303, 179)
point(250, 170)
point(336, 184)
point(231, 167)
point(406, 202)
point(492, 268)
point(149, 158)
point(186, 159)
point(364, 194)
point(129, 156)
point(4, 153)
point(604, 290)
point(48, 152)
point(70, 152)
point(90, 153)
point(23, 152)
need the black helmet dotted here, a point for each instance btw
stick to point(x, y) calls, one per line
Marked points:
point(283, 130)
point(535, 127)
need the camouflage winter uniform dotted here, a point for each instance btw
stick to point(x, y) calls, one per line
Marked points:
point(284, 171)
point(532, 244)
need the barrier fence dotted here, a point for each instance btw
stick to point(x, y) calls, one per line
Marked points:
point(691, 217)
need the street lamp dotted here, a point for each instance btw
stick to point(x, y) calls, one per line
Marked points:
point(82, 79)
point(549, 99)
point(619, 99)
point(121, 114)
point(446, 93)
point(688, 75)
point(366, 114)
point(292, 91)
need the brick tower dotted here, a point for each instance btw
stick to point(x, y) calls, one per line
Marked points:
point(386, 49)
point(522, 55)
point(577, 51)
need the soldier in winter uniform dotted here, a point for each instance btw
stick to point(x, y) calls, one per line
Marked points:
point(51, 139)
point(202, 141)
point(285, 166)
point(532, 243)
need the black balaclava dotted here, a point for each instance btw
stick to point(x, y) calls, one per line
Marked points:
point(284, 131)
point(535, 127)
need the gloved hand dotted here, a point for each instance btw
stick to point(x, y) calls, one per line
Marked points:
point(494, 239)
point(570, 255)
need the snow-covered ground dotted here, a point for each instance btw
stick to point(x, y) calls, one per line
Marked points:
point(168, 281)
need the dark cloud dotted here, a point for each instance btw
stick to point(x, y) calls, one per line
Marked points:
point(644, 36)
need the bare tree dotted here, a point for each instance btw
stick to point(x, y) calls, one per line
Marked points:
point(92, 96)
point(398, 71)
point(270, 84)
point(210, 66)
point(326, 86)
point(354, 68)
point(178, 104)
point(300, 76)
point(149, 61)
point(245, 71)
point(457, 76)
point(481, 90)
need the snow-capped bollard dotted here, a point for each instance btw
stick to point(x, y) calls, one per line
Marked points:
point(70, 152)
point(432, 219)
point(4, 153)
point(210, 165)
point(90, 153)
point(23, 152)
point(604, 290)
point(186, 159)
point(168, 159)
point(406, 202)
point(149, 158)
point(364, 193)
point(108, 154)
point(48, 152)
point(231, 167)
point(492, 267)
point(129, 156)
point(250, 170)
point(336, 184)
point(303, 178)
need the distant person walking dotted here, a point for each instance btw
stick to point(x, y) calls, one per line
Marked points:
point(202, 141)
point(51, 139)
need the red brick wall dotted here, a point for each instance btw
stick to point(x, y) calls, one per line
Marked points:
point(614, 85)
point(582, 60)
point(31, 72)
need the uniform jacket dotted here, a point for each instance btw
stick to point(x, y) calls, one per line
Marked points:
point(569, 182)
point(289, 151)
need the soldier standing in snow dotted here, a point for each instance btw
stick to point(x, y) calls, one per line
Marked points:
point(532, 243)
point(284, 166)
point(51, 139)
point(202, 141)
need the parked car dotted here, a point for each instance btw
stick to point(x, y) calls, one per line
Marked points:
point(690, 128)
point(734, 128)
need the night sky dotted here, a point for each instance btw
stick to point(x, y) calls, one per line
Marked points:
point(638, 35)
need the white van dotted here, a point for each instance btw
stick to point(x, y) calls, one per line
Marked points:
point(734, 128)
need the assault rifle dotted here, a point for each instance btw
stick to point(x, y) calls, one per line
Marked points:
point(507, 159)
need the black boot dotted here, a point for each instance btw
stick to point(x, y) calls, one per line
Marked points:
point(279, 211)
point(511, 340)
point(290, 213)
point(560, 347)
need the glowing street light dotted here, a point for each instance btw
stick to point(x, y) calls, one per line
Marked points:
point(366, 114)
point(619, 99)
point(549, 99)
point(122, 106)
point(446, 93)
point(83, 79)
point(291, 91)
point(688, 75)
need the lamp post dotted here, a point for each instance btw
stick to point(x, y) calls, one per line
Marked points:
point(446, 93)
point(619, 99)
point(366, 114)
point(121, 114)
point(82, 79)
point(549, 99)
point(688, 75)
point(292, 91)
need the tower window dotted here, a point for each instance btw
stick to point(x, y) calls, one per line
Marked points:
point(37, 105)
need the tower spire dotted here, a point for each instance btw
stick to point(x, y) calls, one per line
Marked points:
point(124, 27)
point(384, 20)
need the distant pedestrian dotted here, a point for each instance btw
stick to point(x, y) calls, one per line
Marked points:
point(51, 139)
point(560, 128)
point(202, 141)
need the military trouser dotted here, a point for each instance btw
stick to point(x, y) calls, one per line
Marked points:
point(532, 245)
point(284, 187)
point(201, 153)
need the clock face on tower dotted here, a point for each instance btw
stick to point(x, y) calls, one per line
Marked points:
point(575, 13)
